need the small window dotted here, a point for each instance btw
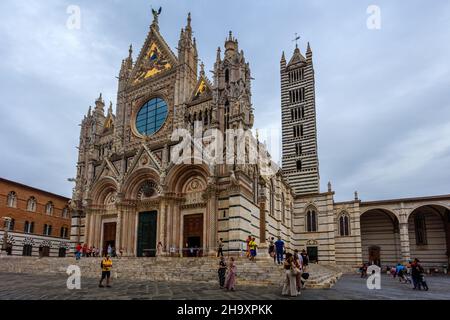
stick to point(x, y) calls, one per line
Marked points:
point(12, 200)
point(31, 204)
point(9, 225)
point(299, 165)
point(29, 227)
point(47, 230)
point(64, 233)
point(49, 208)
point(65, 213)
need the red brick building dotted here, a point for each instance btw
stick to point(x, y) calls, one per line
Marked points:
point(38, 221)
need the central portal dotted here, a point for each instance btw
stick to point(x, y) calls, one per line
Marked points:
point(193, 235)
point(146, 246)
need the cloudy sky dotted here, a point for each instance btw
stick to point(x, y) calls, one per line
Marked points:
point(383, 95)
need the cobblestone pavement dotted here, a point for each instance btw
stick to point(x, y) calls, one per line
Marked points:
point(43, 287)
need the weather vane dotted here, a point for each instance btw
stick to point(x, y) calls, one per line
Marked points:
point(297, 37)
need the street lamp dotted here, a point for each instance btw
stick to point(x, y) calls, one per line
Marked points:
point(5, 235)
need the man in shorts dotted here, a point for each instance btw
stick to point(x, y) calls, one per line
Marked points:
point(106, 271)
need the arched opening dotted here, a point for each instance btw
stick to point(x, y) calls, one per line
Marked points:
point(227, 76)
point(380, 237)
point(428, 228)
point(344, 225)
point(311, 220)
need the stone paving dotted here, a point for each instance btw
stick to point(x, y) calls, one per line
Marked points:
point(350, 287)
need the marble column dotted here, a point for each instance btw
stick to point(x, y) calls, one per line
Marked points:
point(404, 241)
point(212, 213)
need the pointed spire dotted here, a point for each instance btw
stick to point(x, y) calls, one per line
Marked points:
point(309, 53)
point(283, 57)
point(110, 109)
point(329, 186)
point(189, 20)
point(202, 69)
point(99, 105)
point(89, 111)
point(218, 59)
point(130, 52)
point(188, 28)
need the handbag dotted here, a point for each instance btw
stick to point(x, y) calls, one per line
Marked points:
point(295, 271)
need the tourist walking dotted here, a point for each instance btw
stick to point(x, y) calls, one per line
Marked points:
point(305, 258)
point(85, 248)
point(272, 249)
point(78, 249)
point(249, 239)
point(106, 266)
point(279, 246)
point(109, 250)
point(220, 248)
point(415, 274)
point(290, 284)
point(231, 277)
point(418, 275)
point(222, 272)
point(253, 248)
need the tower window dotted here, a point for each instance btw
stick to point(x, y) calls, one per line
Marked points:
point(227, 76)
point(298, 149)
point(299, 165)
point(297, 95)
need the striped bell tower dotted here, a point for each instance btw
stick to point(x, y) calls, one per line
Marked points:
point(298, 108)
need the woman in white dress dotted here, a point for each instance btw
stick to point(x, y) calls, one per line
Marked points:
point(290, 284)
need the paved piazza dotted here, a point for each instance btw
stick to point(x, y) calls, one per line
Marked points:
point(350, 287)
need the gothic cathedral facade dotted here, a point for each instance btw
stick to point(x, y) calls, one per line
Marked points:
point(131, 194)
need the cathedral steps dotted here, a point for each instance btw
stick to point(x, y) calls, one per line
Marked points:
point(263, 272)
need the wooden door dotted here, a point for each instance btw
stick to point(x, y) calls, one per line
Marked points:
point(374, 255)
point(193, 235)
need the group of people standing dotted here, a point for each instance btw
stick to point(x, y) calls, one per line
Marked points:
point(294, 266)
point(87, 252)
point(411, 272)
point(277, 251)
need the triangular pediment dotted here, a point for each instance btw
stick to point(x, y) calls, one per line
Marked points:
point(145, 159)
point(155, 58)
point(202, 90)
point(107, 169)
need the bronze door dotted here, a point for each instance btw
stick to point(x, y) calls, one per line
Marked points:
point(193, 235)
point(109, 236)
